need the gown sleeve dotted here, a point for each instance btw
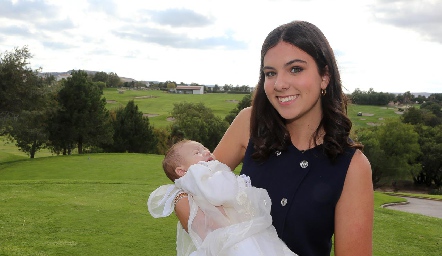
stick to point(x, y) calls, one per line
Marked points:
point(160, 202)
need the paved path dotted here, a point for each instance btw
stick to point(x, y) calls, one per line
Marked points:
point(426, 207)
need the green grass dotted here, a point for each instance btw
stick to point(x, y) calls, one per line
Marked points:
point(83, 205)
point(401, 233)
point(423, 196)
point(371, 115)
point(160, 103)
point(96, 205)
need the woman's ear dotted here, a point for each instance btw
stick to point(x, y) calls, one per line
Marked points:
point(180, 171)
point(325, 79)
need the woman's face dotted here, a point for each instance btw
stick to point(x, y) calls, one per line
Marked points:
point(292, 82)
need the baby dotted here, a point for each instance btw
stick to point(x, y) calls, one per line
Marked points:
point(227, 215)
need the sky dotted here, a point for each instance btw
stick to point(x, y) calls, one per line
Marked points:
point(388, 45)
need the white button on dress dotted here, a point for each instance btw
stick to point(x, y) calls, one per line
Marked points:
point(303, 164)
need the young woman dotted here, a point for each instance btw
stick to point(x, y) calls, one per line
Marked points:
point(294, 142)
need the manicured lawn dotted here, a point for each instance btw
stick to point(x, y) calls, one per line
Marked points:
point(423, 196)
point(401, 233)
point(371, 115)
point(83, 205)
point(160, 103)
point(96, 205)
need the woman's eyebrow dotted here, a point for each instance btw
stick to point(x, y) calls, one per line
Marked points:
point(294, 61)
point(287, 64)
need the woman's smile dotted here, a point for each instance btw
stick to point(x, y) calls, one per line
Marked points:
point(287, 99)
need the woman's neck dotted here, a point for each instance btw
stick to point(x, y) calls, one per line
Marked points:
point(302, 133)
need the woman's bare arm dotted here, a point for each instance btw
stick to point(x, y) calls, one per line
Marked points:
point(355, 209)
point(182, 211)
point(229, 151)
point(232, 147)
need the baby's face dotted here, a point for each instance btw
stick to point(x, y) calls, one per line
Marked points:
point(194, 152)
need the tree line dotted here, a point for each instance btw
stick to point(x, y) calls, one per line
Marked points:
point(227, 88)
point(39, 112)
point(372, 97)
point(63, 116)
point(409, 147)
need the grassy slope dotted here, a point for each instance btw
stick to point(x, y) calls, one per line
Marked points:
point(161, 103)
point(82, 205)
point(372, 115)
point(96, 205)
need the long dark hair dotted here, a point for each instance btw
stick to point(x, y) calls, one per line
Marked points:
point(267, 128)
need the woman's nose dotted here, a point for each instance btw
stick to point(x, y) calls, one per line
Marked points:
point(280, 84)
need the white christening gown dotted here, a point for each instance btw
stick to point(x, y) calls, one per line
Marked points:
point(227, 215)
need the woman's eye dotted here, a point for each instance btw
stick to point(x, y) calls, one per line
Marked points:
point(296, 69)
point(269, 74)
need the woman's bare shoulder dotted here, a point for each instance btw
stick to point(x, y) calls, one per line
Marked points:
point(245, 114)
point(359, 164)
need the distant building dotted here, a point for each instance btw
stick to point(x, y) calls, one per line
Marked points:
point(62, 76)
point(185, 89)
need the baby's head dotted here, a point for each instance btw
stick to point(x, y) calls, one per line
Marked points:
point(182, 155)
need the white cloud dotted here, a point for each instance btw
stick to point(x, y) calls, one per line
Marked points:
point(390, 46)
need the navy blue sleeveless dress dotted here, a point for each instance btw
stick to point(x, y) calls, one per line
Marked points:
point(304, 188)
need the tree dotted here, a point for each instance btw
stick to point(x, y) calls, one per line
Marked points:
point(100, 77)
point(164, 140)
point(227, 87)
point(371, 97)
point(24, 101)
point(408, 97)
point(392, 149)
point(132, 131)
point(428, 114)
point(197, 122)
point(29, 131)
point(372, 149)
point(433, 107)
point(430, 140)
point(113, 80)
point(245, 102)
point(437, 97)
point(20, 87)
point(82, 118)
point(413, 116)
point(171, 85)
